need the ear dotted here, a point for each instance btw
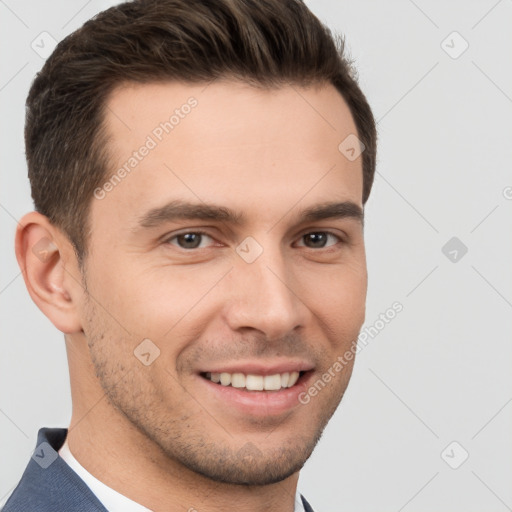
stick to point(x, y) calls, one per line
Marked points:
point(50, 270)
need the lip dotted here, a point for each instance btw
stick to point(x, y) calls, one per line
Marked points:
point(259, 368)
point(260, 404)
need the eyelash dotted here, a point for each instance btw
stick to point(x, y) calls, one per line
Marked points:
point(201, 232)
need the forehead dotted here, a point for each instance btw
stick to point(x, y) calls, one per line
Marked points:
point(226, 143)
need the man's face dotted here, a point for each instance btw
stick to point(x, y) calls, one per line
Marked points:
point(265, 292)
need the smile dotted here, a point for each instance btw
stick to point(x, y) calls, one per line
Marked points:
point(252, 382)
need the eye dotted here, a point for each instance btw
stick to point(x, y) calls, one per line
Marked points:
point(318, 239)
point(189, 240)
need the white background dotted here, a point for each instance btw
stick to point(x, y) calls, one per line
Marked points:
point(441, 370)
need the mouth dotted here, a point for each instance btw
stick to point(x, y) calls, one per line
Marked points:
point(260, 393)
point(254, 382)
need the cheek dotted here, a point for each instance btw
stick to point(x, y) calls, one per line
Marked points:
point(337, 294)
point(156, 301)
point(338, 303)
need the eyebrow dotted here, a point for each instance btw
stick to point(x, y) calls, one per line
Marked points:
point(184, 210)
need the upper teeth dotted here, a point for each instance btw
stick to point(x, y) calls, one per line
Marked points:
point(255, 382)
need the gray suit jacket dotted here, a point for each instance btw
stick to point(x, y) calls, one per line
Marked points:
point(50, 485)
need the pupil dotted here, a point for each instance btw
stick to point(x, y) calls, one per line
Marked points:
point(317, 239)
point(191, 240)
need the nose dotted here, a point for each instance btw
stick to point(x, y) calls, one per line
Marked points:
point(265, 295)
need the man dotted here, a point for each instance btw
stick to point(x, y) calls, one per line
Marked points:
point(199, 172)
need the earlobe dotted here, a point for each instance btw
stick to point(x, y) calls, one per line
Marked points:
point(49, 269)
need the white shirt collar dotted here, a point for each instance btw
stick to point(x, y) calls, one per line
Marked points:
point(112, 500)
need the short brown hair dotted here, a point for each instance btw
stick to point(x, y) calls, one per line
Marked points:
point(266, 43)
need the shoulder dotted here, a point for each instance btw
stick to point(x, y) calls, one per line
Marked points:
point(48, 483)
point(307, 506)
